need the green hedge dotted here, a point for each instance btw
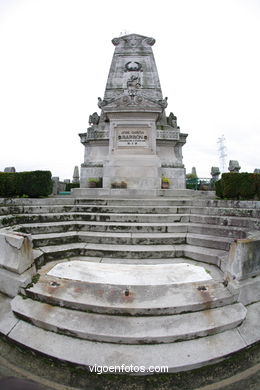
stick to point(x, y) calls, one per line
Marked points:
point(32, 184)
point(69, 186)
point(236, 185)
point(219, 189)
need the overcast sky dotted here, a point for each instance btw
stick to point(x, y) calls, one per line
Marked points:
point(55, 58)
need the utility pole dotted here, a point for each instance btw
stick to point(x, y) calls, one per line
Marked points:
point(222, 152)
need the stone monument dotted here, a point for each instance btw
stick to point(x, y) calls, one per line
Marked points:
point(234, 166)
point(215, 172)
point(76, 175)
point(132, 140)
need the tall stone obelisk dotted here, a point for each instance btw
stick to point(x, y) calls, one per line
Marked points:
point(132, 140)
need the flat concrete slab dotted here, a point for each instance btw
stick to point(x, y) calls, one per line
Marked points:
point(130, 274)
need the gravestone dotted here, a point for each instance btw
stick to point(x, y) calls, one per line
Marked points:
point(10, 169)
point(234, 166)
point(215, 172)
point(132, 140)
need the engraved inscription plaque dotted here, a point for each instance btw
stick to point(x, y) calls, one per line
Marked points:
point(132, 138)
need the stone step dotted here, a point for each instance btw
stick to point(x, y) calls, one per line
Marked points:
point(222, 211)
point(178, 356)
point(208, 241)
point(207, 255)
point(160, 289)
point(128, 329)
point(184, 201)
point(105, 217)
point(131, 209)
point(132, 239)
point(244, 223)
point(247, 223)
point(131, 227)
point(234, 204)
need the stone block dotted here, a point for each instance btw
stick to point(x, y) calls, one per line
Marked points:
point(15, 251)
point(176, 176)
point(247, 291)
point(11, 282)
point(244, 258)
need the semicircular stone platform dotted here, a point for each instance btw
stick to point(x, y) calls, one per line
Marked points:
point(130, 274)
point(165, 281)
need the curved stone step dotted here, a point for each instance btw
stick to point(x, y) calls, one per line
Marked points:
point(131, 227)
point(109, 238)
point(179, 356)
point(142, 206)
point(128, 329)
point(207, 255)
point(105, 217)
point(206, 241)
point(124, 289)
point(244, 223)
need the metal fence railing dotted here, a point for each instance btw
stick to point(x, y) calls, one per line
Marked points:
point(200, 183)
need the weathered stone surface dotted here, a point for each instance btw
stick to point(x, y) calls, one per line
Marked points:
point(7, 317)
point(178, 356)
point(244, 258)
point(15, 251)
point(139, 300)
point(247, 290)
point(250, 329)
point(11, 282)
point(127, 329)
point(120, 232)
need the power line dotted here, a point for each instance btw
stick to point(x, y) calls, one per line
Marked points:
point(222, 153)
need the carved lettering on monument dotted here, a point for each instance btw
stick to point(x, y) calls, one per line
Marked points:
point(132, 137)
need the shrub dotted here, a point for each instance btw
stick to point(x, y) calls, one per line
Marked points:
point(8, 185)
point(236, 185)
point(257, 184)
point(32, 184)
point(219, 189)
point(247, 185)
point(230, 185)
point(69, 186)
